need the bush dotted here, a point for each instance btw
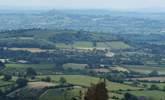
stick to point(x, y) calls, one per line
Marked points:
point(154, 87)
point(21, 82)
point(31, 72)
point(46, 79)
point(128, 96)
point(62, 80)
point(7, 77)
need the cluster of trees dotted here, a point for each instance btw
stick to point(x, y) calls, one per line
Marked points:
point(97, 92)
point(71, 37)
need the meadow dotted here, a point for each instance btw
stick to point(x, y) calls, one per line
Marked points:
point(74, 66)
point(152, 95)
point(89, 45)
point(40, 68)
point(86, 81)
point(145, 69)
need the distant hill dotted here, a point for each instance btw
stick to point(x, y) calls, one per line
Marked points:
point(90, 20)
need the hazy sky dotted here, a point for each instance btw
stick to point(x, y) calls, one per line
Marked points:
point(88, 4)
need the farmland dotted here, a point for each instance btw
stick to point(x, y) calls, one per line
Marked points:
point(99, 45)
point(145, 69)
point(155, 95)
point(71, 55)
point(87, 80)
point(41, 68)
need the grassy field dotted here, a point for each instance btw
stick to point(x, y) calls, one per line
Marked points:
point(99, 45)
point(113, 45)
point(156, 95)
point(40, 68)
point(145, 69)
point(60, 94)
point(6, 84)
point(88, 80)
point(161, 79)
point(63, 45)
point(34, 50)
point(83, 44)
point(74, 66)
point(160, 85)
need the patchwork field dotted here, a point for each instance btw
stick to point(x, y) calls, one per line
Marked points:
point(60, 94)
point(145, 69)
point(40, 68)
point(88, 80)
point(34, 50)
point(99, 45)
point(161, 79)
point(74, 66)
point(152, 95)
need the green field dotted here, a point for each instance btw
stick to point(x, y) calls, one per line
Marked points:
point(88, 80)
point(89, 45)
point(40, 68)
point(145, 69)
point(60, 94)
point(113, 45)
point(74, 66)
point(156, 95)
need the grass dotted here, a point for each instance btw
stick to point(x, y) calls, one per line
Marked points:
point(99, 45)
point(63, 45)
point(74, 66)
point(145, 69)
point(40, 68)
point(156, 95)
point(160, 85)
point(88, 80)
point(113, 45)
point(83, 44)
point(60, 94)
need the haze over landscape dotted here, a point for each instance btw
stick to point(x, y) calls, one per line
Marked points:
point(126, 5)
point(82, 50)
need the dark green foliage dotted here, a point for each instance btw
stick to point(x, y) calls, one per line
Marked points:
point(46, 79)
point(30, 72)
point(97, 92)
point(1, 65)
point(7, 77)
point(70, 37)
point(128, 96)
point(21, 82)
point(154, 73)
point(154, 87)
point(62, 80)
point(2, 95)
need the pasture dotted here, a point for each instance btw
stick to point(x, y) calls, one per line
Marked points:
point(145, 69)
point(89, 45)
point(74, 66)
point(40, 68)
point(86, 81)
point(152, 95)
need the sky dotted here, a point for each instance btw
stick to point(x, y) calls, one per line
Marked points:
point(82, 4)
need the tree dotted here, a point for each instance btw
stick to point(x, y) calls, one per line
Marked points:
point(21, 82)
point(154, 73)
point(128, 96)
point(97, 92)
point(154, 87)
point(62, 80)
point(2, 95)
point(46, 79)
point(7, 77)
point(1, 65)
point(30, 72)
